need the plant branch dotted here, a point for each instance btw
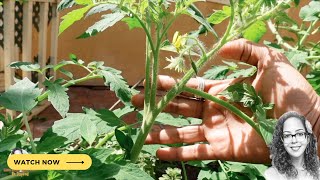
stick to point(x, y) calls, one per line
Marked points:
point(278, 36)
point(226, 105)
point(307, 33)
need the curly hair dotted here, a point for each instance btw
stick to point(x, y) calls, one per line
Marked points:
point(280, 157)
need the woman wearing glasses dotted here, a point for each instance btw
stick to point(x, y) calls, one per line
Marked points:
point(293, 150)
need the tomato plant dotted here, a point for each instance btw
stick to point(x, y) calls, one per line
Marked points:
point(117, 148)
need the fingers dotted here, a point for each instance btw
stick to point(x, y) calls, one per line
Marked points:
point(179, 105)
point(244, 50)
point(187, 153)
point(170, 135)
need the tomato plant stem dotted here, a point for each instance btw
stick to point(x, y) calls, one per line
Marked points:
point(25, 120)
point(226, 105)
point(184, 172)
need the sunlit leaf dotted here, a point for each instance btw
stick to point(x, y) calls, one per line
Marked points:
point(132, 22)
point(310, 12)
point(20, 96)
point(72, 17)
point(218, 16)
point(255, 31)
point(107, 20)
point(58, 97)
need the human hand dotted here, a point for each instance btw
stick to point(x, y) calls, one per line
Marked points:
point(228, 137)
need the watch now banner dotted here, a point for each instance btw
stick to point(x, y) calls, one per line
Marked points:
point(49, 161)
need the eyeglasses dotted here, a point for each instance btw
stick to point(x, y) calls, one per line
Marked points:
point(300, 136)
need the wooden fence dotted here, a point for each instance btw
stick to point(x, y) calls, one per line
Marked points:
point(29, 34)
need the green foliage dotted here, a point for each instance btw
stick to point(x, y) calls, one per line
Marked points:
point(310, 12)
point(106, 21)
point(221, 71)
point(20, 96)
point(255, 31)
point(247, 95)
point(103, 135)
point(172, 174)
point(9, 142)
point(220, 15)
point(58, 97)
point(72, 17)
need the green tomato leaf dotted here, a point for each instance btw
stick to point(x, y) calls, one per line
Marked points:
point(117, 84)
point(243, 72)
point(216, 72)
point(69, 127)
point(88, 130)
point(50, 143)
point(218, 16)
point(10, 142)
point(100, 8)
point(20, 96)
point(66, 72)
point(132, 22)
point(65, 4)
point(123, 111)
point(124, 140)
point(132, 172)
point(58, 97)
point(107, 20)
point(72, 17)
point(310, 12)
point(109, 117)
point(297, 58)
point(255, 31)
point(192, 11)
point(168, 119)
point(25, 66)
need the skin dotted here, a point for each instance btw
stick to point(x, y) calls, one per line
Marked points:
point(295, 148)
point(228, 137)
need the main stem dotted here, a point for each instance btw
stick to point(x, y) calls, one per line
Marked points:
point(25, 120)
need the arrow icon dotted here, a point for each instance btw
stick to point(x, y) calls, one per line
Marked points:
point(76, 162)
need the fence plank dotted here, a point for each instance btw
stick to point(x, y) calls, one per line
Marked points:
point(54, 36)
point(43, 26)
point(27, 35)
point(8, 15)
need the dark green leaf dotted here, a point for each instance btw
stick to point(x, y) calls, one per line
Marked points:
point(109, 117)
point(132, 22)
point(310, 12)
point(58, 97)
point(107, 20)
point(117, 84)
point(243, 72)
point(124, 140)
point(10, 142)
point(50, 143)
point(88, 130)
point(314, 79)
point(20, 96)
point(192, 11)
point(255, 31)
point(105, 115)
point(216, 72)
point(194, 67)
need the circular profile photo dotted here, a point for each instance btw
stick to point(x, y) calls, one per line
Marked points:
point(293, 150)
